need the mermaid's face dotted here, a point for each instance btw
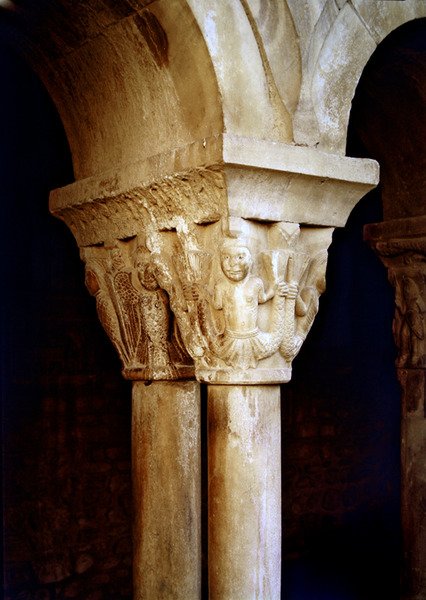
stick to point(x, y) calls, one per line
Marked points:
point(236, 262)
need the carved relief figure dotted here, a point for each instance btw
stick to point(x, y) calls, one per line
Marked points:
point(132, 299)
point(94, 280)
point(126, 300)
point(409, 329)
point(223, 317)
point(307, 303)
point(238, 295)
point(155, 317)
point(163, 345)
point(291, 261)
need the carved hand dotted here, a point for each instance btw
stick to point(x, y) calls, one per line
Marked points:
point(288, 290)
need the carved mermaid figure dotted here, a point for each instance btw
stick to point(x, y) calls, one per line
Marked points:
point(238, 295)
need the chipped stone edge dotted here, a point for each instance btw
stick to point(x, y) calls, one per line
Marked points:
point(216, 151)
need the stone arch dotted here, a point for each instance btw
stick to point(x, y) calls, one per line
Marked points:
point(137, 79)
point(334, 68)
point(128, 83)
point(255, 52)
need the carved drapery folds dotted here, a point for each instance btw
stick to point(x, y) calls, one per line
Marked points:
point(199, 265)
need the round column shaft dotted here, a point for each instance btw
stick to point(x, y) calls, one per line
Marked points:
point(244, 492)
point(166, 490)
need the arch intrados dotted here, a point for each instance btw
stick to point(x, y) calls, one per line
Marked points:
point(127, 86)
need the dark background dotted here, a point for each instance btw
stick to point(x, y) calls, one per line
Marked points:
point(66, 409)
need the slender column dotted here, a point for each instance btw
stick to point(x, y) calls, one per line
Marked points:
point(166, 490)
point(244, 492)
point(134, 307)
point(401, 245)
point(413, 486)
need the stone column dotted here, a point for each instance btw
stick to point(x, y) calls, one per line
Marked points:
point(401, 245)
point(134, 308)
point(210, 258)
point(166, 490)
point(244, 492)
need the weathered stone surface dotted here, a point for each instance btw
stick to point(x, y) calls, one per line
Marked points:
point(336, 40)
point(337, 73)
point(134, 309)
point(238, 55)
point(166, 490)
point(154, 52)
point(206, 180)
point(244, 492)
point(380, 21)
point(164, 203)
point(401, 245)
point(313, 20)
point(148, 254)
point(276, 29)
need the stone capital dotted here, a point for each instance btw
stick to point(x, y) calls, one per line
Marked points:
point(401, 245)
point(212, 257)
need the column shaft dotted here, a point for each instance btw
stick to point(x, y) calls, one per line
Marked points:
point(413, 484)
point(244, 492)
point(166, 490)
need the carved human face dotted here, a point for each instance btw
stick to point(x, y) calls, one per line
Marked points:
point(236, 262)
point(117, 259)
point(147, 276)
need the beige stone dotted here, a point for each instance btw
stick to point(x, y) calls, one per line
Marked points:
point(343, 56)
point(381, 18)
point(166, 490)
point(244, 492)
point(337, 39)
point(284, 183)
point(154, 248)
point(210, 259)
point(251, 102)
point(199, 131)
point(313, 20)
point(133, 306)
point(276, 28)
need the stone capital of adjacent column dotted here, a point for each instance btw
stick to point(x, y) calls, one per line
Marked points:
point(401, 245)
point(212, 256)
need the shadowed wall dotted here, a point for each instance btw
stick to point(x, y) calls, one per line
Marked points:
point(67, 410)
